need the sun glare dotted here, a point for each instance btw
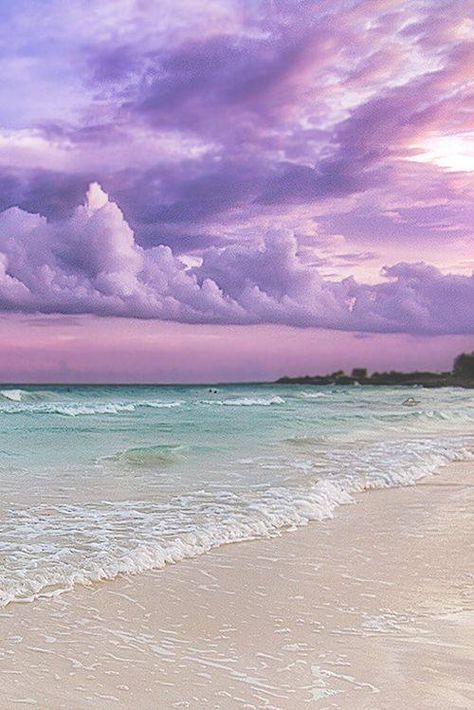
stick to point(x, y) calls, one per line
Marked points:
point(451, 152)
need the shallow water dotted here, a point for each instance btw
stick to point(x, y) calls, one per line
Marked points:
point(96, 481)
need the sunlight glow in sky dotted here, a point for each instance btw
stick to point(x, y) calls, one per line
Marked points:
point(452, 152)
point(222, 167)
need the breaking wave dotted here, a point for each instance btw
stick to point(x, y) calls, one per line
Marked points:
point(134, 536)
point(246, 402)
point(313, 395)
point(75, 409)
point(18, 395)
point(186, 476)
point(148, 456)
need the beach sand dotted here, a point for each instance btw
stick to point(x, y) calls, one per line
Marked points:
point(373, 609)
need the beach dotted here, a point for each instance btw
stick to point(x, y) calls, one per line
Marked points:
point(371, 609)
point(236, 362)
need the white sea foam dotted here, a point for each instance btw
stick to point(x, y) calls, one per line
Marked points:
point(279, 509)
point(66, 545)
point(313, 395)
point(246, 401)
point(75, 409)
point(19, 395)
point(272, 463)
point(13, 395)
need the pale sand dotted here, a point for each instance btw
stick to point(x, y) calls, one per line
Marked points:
point(374, 609)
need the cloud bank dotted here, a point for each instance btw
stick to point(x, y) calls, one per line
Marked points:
point(91, 263)
point(204, 120)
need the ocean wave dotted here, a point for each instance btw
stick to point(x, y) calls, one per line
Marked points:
point(313, 395)
point(13, 395)
point(148, 456)
point(74, 409)
point(305, 440)
point(264, 519)
point(245, 401)
point(77, 410)
point(426, 415)
point(19, 395)
point(134, 536)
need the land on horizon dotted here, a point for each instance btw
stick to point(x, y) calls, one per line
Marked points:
point(461, 375)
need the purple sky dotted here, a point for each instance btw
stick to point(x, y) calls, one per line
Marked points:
point(232, 189)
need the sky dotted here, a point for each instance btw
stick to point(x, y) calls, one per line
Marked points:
point(234, 189)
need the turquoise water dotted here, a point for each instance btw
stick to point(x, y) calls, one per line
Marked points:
point(98, 481)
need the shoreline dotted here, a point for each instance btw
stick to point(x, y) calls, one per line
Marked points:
point(371, 609)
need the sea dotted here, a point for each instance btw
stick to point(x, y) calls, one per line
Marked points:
point(100, 481)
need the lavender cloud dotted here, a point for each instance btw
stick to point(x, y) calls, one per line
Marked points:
point(91, 263)
point(209, 123)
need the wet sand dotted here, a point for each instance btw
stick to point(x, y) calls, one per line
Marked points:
point(373, 609)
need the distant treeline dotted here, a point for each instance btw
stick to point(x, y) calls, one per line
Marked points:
point(462, 375)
